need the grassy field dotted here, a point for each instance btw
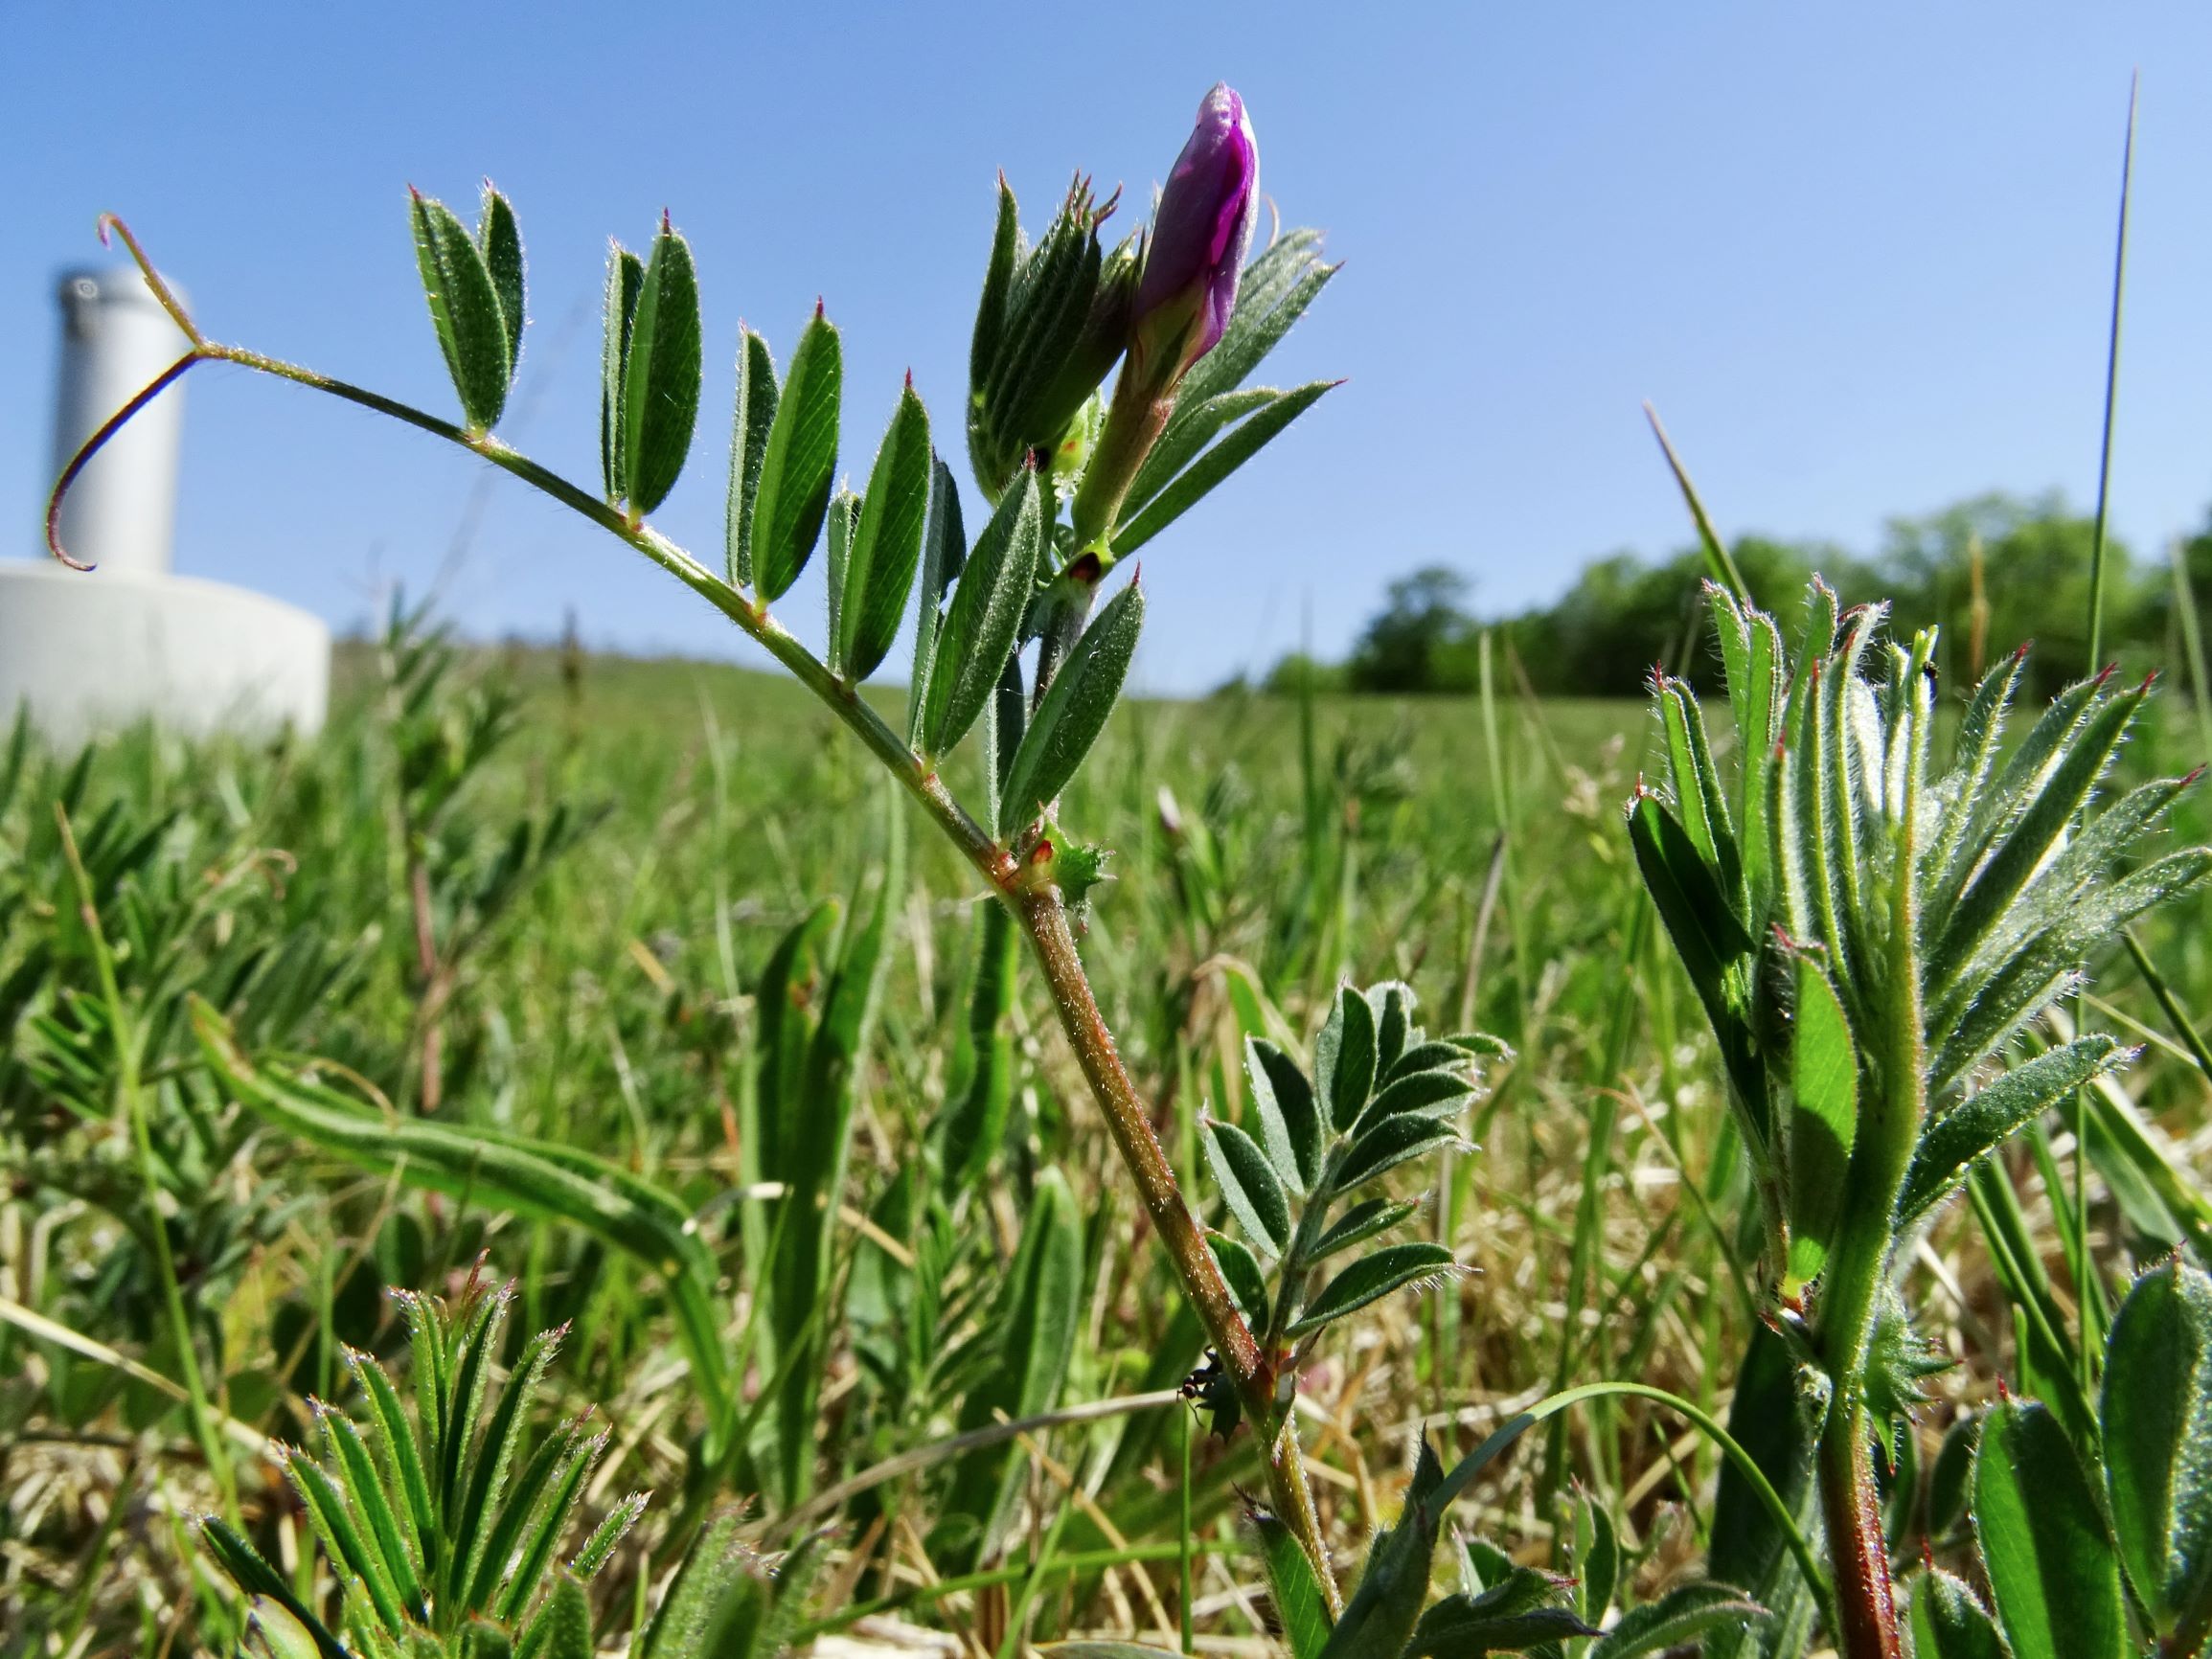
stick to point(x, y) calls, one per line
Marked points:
point(564, 934)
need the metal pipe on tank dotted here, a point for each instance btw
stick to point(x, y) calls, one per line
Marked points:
point(120, 515)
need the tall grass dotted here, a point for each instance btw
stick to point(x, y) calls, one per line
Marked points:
point(613, 1011)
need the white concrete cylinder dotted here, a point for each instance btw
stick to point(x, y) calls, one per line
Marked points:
point(89, 652)
point(121, 513)
point(92, 653)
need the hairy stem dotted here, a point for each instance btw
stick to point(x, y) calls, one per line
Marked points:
point(1858, 1271)
point(1866, 1607)
point(1044, 919)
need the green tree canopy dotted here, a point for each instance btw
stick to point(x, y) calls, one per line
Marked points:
point(1996, 571)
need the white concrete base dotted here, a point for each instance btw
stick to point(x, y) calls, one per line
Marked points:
point(91, 651)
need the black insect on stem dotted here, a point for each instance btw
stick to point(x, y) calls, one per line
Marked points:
point(1215, 1390)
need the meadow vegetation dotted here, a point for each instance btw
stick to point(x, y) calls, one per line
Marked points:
point(589, 1155)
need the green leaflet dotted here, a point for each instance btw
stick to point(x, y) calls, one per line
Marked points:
point(1597, 1556)
point(1248, 1183)
point(2051, 1564)
point(1215, 466)
point(1699, 797)
point(1389, 1144)
point(1823, 1124)
point(800, 461)
point(1953, 1143)
point(844, 518)
point(1379, 1619)
point(397, 1442)
point(1300, 1608)
point(1290, 1120)
point(1430, 1093)
point(1974, 755)
point(749, 428)
point(1392, 1004)
point(1074, 711)
point(500, 238)
point(1344, 1057)
point(1241, 1268)
point(997, 283)
point(2048, 815)
point(888, 544)
point(716, 1577)
point(471, 1380)
point(2050, 962)
point(541, 1537)
point(1372, 1278)
point(1363, 1221)
point(1192, 426)
point(1491, 1582)
point(2157, 1413)
point(1053, 319)
point(1273, 293)
point(566, 1621)
point(341, 1539)
point(464, 310)
point(661, 379)
point(475, 1522)
point(1752, 653)
point(943, 557)
point(516, 1535)
point(974, 647)
point(1707, 934)
point(1681, 1616)
point(607, 1534)
point(254, 1574)
point(274, 1632)
point(1995, 804)
point(1455, 1629)
point(624, 282)
point(363, 1487)
point(1948, 1621)
point(1395, 1063)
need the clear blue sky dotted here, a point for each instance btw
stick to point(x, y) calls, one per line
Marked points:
point(1858, 257)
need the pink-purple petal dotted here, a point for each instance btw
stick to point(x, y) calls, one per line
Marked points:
point(1207, 210)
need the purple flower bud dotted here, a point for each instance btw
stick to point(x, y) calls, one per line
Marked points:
point(1200, 236)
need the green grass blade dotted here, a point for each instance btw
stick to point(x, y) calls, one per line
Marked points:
point(2051, 1565)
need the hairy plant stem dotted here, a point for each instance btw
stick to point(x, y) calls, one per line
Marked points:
point(1044, 918)
point(1849, 1303)
point(1135, 418)
point(1037, 908)
point(1857, 1553)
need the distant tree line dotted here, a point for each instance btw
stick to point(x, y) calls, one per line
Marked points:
point(1994, 571)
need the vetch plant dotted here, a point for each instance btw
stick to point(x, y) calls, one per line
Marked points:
point(1051, 323)
point(1382, 1093)
point(449, 1532)
point(1869, 932)
point(2103, 1548)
